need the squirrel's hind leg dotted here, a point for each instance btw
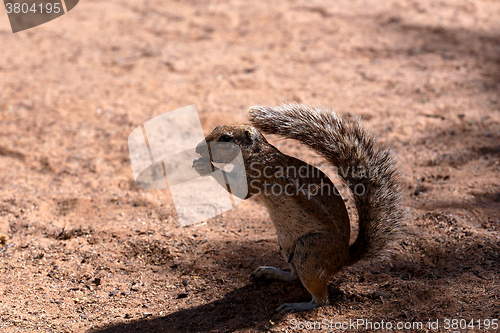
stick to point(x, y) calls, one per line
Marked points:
point(266, 272)
point(315, 263)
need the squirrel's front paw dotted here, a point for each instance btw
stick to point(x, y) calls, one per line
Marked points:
point(202, 166)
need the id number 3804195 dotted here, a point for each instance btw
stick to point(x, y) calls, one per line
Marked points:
point(25, 8)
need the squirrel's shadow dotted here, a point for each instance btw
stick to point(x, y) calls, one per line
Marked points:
point(251, 306)
point(239, 309)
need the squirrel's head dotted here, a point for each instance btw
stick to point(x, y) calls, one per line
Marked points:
point(225, 142)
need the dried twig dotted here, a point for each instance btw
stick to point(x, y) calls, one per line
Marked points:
point(5, 248)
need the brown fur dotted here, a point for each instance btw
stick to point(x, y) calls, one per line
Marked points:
point(313, 228)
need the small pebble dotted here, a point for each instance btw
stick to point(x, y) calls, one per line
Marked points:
point(182, 295)
point(97, 281)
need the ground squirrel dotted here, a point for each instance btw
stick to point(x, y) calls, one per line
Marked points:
point(310, 217)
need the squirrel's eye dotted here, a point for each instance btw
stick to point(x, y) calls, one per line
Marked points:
point(225, 138)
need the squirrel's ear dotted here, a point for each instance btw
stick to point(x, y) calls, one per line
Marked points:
point(249, 136)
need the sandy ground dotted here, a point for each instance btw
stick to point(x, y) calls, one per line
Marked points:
point(85, 249)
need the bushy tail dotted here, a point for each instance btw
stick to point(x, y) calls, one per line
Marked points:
point(366, 166)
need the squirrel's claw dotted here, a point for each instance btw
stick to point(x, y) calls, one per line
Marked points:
point(260, 273)
point(297, 307)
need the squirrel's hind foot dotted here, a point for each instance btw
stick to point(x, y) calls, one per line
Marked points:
point(271, 273)
point(298, 307)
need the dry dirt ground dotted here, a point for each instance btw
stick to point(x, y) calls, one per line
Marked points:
point(85, 249)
